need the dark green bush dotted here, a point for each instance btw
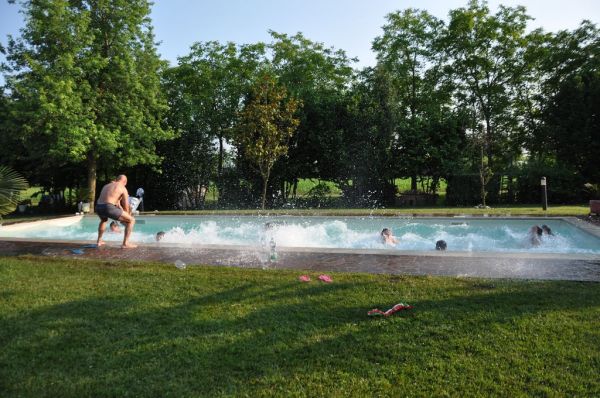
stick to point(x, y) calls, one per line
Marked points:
point(564, 185)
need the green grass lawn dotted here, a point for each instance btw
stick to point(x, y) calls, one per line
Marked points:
point(73, 328)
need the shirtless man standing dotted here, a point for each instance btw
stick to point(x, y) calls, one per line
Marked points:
point(113, 203)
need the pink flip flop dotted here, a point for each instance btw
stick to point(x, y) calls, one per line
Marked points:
point(325, 278)
point(304, 278)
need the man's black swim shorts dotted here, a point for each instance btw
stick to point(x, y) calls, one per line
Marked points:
point(108, 210)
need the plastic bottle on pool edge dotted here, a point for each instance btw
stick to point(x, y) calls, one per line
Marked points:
point(273, 255)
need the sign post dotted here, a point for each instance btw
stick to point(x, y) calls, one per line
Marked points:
point(544, 194)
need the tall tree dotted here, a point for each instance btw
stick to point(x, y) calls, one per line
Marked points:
point(567, 125)
point(319, 76)
point(487, 59)
point(85, 73)
point(409, 51)
point(266, 124)
point(215, 77)
point(190, 159)
point(368, 140)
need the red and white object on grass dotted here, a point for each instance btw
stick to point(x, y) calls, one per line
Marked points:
point(393, 310)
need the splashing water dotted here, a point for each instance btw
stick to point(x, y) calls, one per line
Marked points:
point(329, 232)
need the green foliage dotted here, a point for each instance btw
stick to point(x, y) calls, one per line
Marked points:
point(593, 190)
point(319, 194)
point(11, 185)
point(565, 185)
point(204, 92)
point(428, 133)
point(86, 90)
point(465, 189)
point(319, 77)
point(572, 124)
point(368, 169)
point(94, 328)
point(486, 58)
point(266, 125)
point(85, 74)
point(564, 136)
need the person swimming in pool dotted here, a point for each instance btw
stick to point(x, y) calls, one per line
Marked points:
point(160, 235)
point(387, 237)
point(113, 203)
point(535, 235)
point(114, 227)
point(546, 230)
point(441, 245)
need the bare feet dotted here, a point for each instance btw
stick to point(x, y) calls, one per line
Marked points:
point(100, 243)
point(128, 246)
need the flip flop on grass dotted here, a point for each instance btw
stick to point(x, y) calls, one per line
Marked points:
point(325, 278)
point(393, 310)
point(304, 278)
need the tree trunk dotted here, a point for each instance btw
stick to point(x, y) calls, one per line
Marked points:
point(488, 140)
point(482, 178)
point(220, 165)
point(219, 182)
point(92, 165)
point(413, 183)
point(295, 190)
point(264, 191)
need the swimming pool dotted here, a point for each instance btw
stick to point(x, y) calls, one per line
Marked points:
point(414, 234)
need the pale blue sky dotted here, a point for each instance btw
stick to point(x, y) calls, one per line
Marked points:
point(350, 25)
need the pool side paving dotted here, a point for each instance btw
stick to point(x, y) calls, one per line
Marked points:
point(467, 264)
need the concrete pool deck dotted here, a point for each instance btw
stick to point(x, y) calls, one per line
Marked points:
point(577, 267)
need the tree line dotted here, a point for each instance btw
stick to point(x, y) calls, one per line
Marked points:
point(478, 101)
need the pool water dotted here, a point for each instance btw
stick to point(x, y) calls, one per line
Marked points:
point(479, 235)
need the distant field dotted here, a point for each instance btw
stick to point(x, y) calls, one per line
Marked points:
point(403, 184)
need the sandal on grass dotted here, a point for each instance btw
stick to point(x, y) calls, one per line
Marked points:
point(393, 310)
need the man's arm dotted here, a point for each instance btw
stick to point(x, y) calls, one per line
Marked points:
point(125, 200)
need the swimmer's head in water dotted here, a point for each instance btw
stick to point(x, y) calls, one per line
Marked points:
point(536, 230)
point(114, 227)
point(160, 235)
point(440, 245)
point(386, 232)
point(546, 229)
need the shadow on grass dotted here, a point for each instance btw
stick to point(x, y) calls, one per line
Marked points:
point(249, 338)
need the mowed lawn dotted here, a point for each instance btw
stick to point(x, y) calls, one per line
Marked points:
point(74, 328)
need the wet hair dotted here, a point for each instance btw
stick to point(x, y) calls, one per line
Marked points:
point(546, 229)
point(268, 225)
point(160, 235)
point(536, 229)
point(114, 224)
point(440, 245)
point(386, 231)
